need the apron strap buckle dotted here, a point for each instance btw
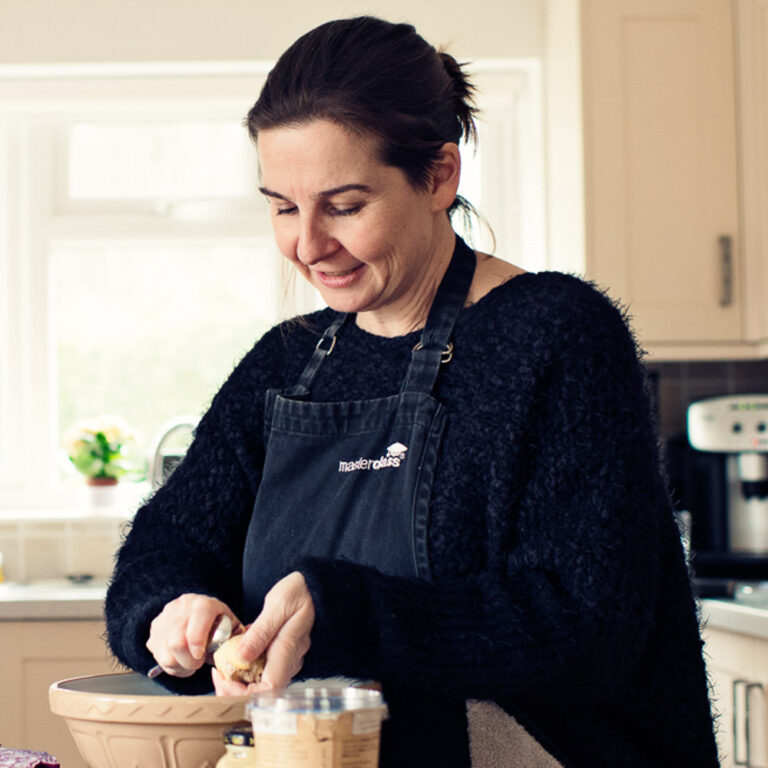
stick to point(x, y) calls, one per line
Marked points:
point(319, 344)
point(445, 357)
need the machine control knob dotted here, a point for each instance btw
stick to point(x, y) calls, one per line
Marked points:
point(729, 424)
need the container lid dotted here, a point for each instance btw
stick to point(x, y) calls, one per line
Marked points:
point(321, 700)
point(242, 736)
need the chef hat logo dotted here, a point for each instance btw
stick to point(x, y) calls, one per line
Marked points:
point(396, 451)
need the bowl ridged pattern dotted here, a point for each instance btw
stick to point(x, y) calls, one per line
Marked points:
point(125, 720)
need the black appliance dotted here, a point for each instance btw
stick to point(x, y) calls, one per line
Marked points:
point(718, 472)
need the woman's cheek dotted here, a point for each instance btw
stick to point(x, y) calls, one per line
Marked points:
point(285, 240)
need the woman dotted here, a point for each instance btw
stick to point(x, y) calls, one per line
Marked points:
point(448, 481)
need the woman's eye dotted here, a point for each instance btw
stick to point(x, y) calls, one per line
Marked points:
point(284, 211)
point(343, 211)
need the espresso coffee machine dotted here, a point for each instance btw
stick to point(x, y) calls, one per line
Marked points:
point(728, 472)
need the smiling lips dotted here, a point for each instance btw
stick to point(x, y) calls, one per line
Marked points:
point(339, 274)
point(339, 279)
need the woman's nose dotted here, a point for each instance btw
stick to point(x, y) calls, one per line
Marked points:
point(314, 242)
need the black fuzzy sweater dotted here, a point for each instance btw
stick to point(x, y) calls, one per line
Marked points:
point(558, 588)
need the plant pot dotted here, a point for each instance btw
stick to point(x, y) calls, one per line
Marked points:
point(102, 491)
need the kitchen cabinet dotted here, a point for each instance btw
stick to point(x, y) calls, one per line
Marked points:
point(34, 654)
point(674, 223)
point(752, 35)
point(737, 665)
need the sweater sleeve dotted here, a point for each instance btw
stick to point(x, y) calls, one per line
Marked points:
point(569, 601)
point(188, 537)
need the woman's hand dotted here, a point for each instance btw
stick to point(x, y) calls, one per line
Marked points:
point(178, 635)
point(282, 629)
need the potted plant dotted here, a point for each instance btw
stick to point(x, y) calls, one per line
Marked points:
point(101, 449)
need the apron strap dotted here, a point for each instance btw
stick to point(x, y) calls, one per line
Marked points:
point(435, 347)
point(323, 348)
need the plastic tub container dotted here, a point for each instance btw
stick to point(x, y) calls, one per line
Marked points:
point(307, 727)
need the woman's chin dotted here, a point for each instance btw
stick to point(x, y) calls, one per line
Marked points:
point(343, 301)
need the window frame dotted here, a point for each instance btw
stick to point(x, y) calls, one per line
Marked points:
point(36, 102)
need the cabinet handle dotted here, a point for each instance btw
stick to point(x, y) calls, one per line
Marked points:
point(735, 714)
point(726, 270)
point(748, 687)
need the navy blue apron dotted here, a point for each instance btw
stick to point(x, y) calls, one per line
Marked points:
point(352, 480)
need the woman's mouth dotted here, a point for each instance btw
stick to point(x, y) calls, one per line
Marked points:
point(338, 274)
point(339, 278)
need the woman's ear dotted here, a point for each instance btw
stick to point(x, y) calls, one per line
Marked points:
point(444, 178)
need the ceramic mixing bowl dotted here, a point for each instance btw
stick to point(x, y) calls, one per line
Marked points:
point(125, 720)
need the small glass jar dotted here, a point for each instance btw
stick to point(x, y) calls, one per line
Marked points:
point(240, 752)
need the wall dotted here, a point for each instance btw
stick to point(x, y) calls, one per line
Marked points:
point(48, 31)
point(36, 31)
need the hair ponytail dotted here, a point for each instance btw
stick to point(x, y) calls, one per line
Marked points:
point(463, 96)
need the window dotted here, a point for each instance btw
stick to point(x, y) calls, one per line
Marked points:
point(136, 259)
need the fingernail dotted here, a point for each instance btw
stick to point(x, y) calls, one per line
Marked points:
point(198, 651)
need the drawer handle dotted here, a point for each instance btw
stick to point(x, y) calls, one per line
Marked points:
point(748, 687)
point(726, 270)
point(735, 714)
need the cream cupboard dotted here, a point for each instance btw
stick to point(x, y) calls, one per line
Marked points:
point(34, 654)
point(736, 652)
point(675, 96)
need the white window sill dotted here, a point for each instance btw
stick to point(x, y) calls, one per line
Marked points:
point(72, 502)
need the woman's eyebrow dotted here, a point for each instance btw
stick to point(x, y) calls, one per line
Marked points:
point(325, 193)
point(271, 193)
point(345, 188)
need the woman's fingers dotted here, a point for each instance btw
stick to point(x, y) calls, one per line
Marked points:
point(226, 687)
point(283, 630)
point(179, 633)
point(285, 656)
point(199, 627)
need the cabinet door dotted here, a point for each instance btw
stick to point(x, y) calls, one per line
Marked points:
point(661, 164)
point(737, 666)
point(752, 48)
point(726, 662)
point(33, 655)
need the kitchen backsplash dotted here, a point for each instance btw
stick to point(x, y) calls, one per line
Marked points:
point(679, 384)
point(52, 545)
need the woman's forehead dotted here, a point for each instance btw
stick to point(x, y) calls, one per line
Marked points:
point(320, 154)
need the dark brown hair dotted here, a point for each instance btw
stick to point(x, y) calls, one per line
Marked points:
point(377, 78)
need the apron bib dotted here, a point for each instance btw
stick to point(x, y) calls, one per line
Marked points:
point(353, 480)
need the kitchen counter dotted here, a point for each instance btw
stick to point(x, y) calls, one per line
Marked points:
point(51, 600)
point(61, 599)
point(735, 617)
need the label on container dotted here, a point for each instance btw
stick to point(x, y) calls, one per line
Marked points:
point(277, 723)
point(345, 740)
point(366, 721)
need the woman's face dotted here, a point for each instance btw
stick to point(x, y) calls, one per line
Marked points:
point(357, 229)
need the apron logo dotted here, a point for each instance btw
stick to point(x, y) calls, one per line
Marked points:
point(395, 455)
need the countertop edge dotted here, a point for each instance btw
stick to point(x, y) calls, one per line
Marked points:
point(42, 610)
point(713, 613)
point(732, 616)
point(52, 602)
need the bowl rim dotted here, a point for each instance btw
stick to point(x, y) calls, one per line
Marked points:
point(138, 708)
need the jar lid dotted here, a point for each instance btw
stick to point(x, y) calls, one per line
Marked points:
point(241, 736)
point(317, 700)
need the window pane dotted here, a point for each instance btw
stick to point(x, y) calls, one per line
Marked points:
point(474, 231)
point(169, 161)
point(150, 332)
